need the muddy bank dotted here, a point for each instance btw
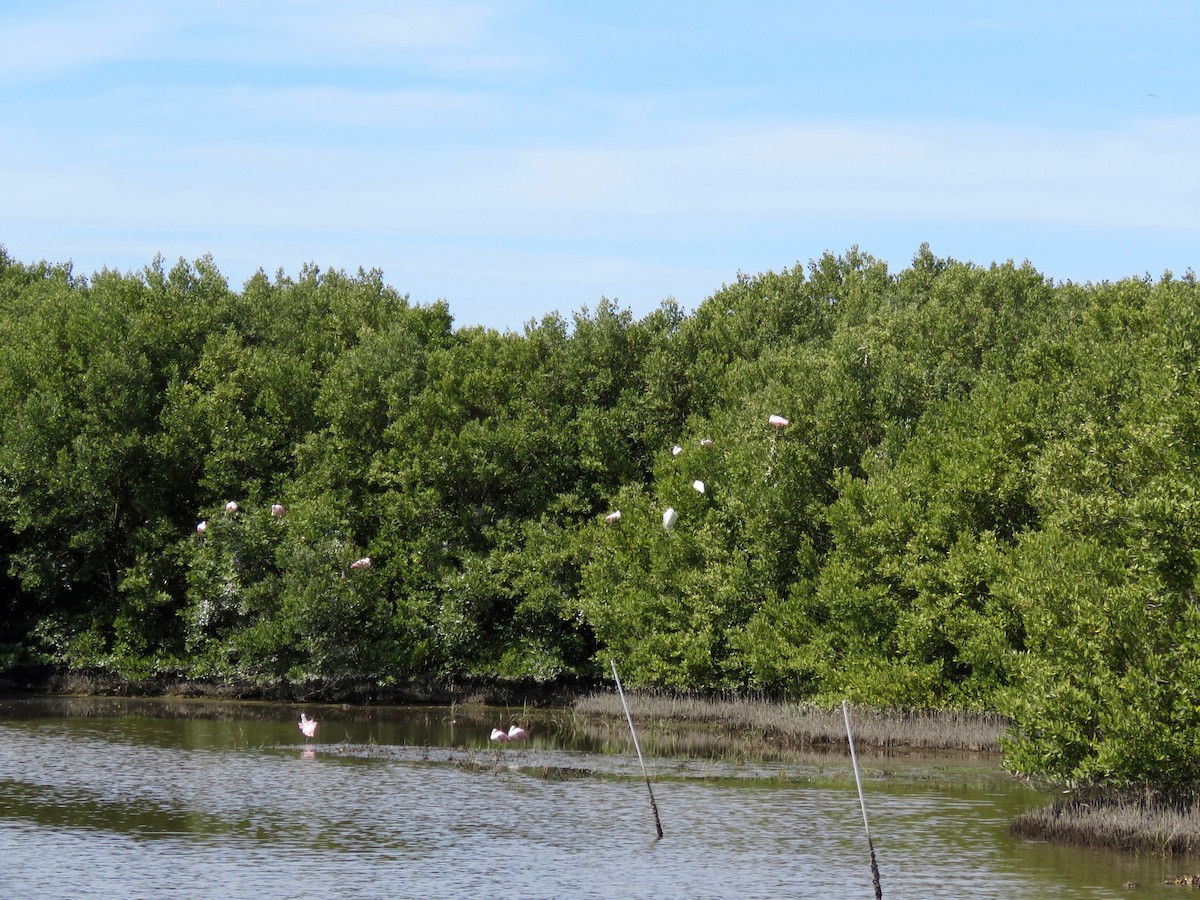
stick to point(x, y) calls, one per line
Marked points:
point(442, 691)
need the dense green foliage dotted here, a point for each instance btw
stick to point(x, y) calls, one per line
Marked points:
point(987, 495)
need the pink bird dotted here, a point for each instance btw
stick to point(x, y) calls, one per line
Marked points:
point(500, 737)
point(778, 422)
point(364, 563)
point(278, 510)
point(308, 727)
point(201, 528)
point(231, 507)
point(516, 733)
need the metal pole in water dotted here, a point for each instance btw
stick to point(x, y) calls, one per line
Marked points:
point(861, 801)
point(637, 747)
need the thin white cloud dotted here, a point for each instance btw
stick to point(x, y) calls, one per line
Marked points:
point(386, 25)
point(65, 37)
point(1141, 176)
point(70, 36)
point(448, 37)
point(1138, 175)
point(338, 113)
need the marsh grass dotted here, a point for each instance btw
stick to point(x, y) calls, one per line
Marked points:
point(1143, 823)
point(755, 724)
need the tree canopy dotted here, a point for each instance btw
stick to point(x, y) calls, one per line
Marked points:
point(986, 495)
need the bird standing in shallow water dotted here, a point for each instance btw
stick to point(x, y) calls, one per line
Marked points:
point(500, 737)
point(308, 727)
point(517, 733)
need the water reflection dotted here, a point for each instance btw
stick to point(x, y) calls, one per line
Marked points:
point(128, 798)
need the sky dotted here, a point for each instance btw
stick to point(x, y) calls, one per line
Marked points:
point(518, 159)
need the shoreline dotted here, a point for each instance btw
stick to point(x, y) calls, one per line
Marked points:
point(442, 691)
point(737, 727)
point(787, 726)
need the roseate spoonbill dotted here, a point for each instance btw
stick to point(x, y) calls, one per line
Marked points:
point(698, 485)
point(364, 563)
point(613, 517)
point(278, 510)
point(517, 733)
point(308, 727)
point(231, 507)
point(669, 519)
point(201, 528)
point(676, 450)
point(777, 422)
point(706, 442)
point(500, 737)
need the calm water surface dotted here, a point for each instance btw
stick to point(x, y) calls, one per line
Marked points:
point(118, 798)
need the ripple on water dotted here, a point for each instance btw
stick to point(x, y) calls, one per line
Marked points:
point(155, 808)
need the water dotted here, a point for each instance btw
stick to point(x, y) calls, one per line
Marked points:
point(110, 798)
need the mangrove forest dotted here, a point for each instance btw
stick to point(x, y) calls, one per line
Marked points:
point(953, 486)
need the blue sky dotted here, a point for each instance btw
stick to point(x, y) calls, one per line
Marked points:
point(520, 158)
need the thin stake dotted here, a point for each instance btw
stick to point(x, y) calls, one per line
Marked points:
point(637, 747)
point(861, 801)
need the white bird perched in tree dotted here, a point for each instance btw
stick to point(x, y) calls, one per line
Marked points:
point(705, 442)
point(201, 528)
point(613, 517)
point(669, 519)
point(698, 485)
point(676, 450)
point(231, 506)
point(777, 422)
point(364, 563)
point(278, 510)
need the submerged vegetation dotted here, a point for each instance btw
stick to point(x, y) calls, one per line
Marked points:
point(985, 498)
point(1140, 823)
point(800, 726)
